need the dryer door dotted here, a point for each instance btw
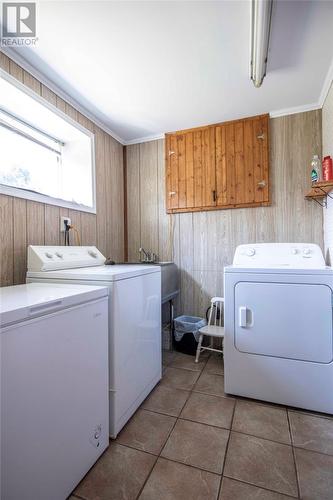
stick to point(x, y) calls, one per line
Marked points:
point(284, 320)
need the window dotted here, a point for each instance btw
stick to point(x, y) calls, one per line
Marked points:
point(44, 155)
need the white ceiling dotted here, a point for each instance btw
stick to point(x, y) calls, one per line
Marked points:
point(145, 68)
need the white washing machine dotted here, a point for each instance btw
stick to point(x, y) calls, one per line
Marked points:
point(54, 421)
point(278, 325)
point(135, 364)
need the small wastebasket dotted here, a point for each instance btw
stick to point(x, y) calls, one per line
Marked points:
point(186, 333)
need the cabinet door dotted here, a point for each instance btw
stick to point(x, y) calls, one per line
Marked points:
point(242, 162)
point(220, 166)
point(225, 164)
point(190, 159)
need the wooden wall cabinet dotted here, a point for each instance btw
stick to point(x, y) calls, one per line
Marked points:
point(218, 166)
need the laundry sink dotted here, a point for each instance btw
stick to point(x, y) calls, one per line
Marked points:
point(169, 277)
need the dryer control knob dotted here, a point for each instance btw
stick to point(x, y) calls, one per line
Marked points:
point(250, 252)
point(294, 251)
point(48, 255)
point(306, 251)
point(92, 253)
point(60, 255)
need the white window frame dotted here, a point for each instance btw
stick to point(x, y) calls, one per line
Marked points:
point(28, 195)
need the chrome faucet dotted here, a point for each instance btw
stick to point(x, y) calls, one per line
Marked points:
point(148, 256)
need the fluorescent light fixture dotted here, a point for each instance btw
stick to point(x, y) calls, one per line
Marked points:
point(261, 14)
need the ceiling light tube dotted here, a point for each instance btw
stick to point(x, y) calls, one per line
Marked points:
point(261, 14)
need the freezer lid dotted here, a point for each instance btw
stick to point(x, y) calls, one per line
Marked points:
point(22, 302)
point(99, 273)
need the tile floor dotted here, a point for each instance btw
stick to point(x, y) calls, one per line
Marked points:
point(190, 441)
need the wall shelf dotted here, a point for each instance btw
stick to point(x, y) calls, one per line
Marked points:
point(320, 191)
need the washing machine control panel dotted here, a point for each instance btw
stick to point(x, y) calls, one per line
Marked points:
point(301, 255)
point(50, 258)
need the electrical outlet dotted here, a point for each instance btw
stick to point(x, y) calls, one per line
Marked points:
point(63, 222)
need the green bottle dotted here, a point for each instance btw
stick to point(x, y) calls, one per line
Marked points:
point(315, 169)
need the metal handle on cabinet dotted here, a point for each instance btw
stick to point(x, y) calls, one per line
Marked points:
point(214, 195)
point(261, 184)
point(261, 136)
point(172, 193)
point(172, 153)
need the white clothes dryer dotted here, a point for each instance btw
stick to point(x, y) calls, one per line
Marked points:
point(278, 325)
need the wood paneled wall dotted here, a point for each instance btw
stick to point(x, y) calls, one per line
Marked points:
point(203, 243)
point(25, 222)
